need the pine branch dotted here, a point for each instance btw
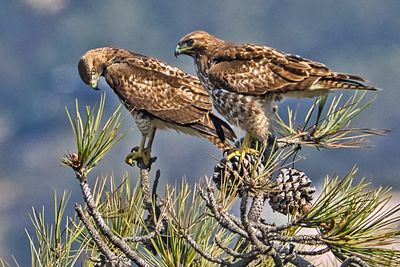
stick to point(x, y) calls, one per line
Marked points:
point(105, 229)
point(331, 126)
point(246, 224)
point(224, 220)
point(203, 253)
point(144, 238)
point(257, 207)
point(101, 245)
point(353, 260)
point(312, 252)
point(93, 143)
point(314, 240)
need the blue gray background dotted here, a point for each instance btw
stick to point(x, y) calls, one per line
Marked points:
point(41, 42)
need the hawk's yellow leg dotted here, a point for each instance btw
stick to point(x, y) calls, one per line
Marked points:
point(244, 149)
point(141, 153)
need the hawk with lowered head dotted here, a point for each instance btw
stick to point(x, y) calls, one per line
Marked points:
point(244, 79)
point(158, 96)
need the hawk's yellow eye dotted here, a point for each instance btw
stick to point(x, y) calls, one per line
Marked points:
point(93, 72)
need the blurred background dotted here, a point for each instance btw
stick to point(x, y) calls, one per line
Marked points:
point(41, 42)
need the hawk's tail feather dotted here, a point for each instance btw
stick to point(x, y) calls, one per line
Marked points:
point(348, 76)
point(215, 130)
point(223, 145)
point(345, 81)
point(223, 129)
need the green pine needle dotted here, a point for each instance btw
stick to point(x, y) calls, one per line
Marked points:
point(356, 221)
point(186, 211)
point(330, 128)
point(55, 244)
point(93, 141)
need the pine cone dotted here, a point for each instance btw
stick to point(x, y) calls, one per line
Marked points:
point(292, 193)
point(249, 172)
point(234, 173)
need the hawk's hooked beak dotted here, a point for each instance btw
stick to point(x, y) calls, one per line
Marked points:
point(94, 83)
point(178, 50)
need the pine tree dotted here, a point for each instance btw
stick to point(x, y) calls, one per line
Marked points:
point(125, 224)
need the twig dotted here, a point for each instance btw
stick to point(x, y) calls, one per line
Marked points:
point(303, 239)
point(262, 226)
point(355, 260)
point(233, 218)
point(155, 184)
point(105, 229)
point(299, 261)
point(250, 255)
point(270, 228)
point(246, 258)
point(291, 257)
point(150, 198)
point(242, 262)
point(246, 224)
point(144, 238)
point(224, 221)
point(145, 185)
point(156, 221)
point(101, 245)
point(251, 232)
point(198, 249)
point(313, 252)
point(283, 227)
point(256, 208)
point(277, 259)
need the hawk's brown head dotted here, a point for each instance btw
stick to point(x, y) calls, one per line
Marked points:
point(92, 65)
point(197, 43)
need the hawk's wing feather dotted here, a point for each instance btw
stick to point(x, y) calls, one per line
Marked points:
point(173, 75)
point(256, 69)
point(148, 63)
point(167, 97)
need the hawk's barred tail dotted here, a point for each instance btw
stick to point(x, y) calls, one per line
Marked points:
point(345, 81)
point(223, 145)
point(223, 130)
point(223, 133)
point(216, 130)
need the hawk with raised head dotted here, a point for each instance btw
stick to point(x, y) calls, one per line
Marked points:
point(244, 79)
point(158, 96)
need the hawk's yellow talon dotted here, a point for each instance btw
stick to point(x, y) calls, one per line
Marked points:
point(241, 152)
point(137, 155)
point(245, 148)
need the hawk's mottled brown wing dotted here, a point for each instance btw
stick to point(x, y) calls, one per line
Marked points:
point(255, 69)
point(159, 89)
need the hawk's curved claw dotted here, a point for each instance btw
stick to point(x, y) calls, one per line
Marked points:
point(141, 157)
point(135, 149)
point(241, 152)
